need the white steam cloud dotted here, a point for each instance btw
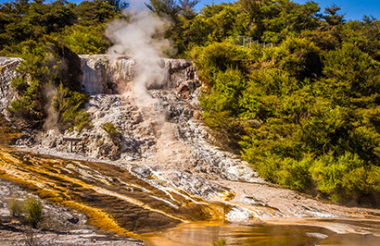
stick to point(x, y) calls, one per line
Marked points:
point(139, 38)
point(136, 37)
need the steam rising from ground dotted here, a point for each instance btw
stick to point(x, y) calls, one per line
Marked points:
point(51, 122)
point(138, 38)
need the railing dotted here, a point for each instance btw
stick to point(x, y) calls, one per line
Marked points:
point(71, 140)
point(247, 42)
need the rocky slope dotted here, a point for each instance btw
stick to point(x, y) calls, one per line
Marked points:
point(157, 137)
point(165, 131)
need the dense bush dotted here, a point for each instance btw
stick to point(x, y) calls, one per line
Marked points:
point(49, 86)
point(80, 27)
point(305, 112)
point(84, 39)
point(48, 36)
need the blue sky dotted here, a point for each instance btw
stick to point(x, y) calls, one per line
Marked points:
point(354, 9)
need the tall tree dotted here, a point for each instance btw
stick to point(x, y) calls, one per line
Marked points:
point(331, 16)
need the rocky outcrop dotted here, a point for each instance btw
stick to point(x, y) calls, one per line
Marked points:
point(168, 133)
point(106, 74)
point(8, 72)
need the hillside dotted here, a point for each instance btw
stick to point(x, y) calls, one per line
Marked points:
point(179, 177)
point(212, 115)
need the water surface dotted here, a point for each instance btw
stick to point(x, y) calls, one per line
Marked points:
point(251, 234)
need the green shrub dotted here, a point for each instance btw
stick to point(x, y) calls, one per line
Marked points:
point(113, 132)
point(33, 210)
point(28, 211)
point(215, 58)
point(222, 105)
point(295, 174)
point(85, 39)
point(68, 104)
point(346, 177)
point(15, 207)
point(299, 57)
point(221, 242)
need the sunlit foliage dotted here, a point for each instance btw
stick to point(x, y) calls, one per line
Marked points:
point(23, 20)
point(48, 87)
point(306, 110)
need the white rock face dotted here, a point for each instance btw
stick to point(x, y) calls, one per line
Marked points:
point(106, 74)
point(7, 73)
point(166, 133)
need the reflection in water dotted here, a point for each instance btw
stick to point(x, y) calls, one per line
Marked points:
point(352, 240)
point(251, 234)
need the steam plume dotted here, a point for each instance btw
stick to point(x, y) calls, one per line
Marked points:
point(137, 38)
point(51, 122)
